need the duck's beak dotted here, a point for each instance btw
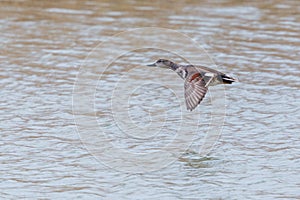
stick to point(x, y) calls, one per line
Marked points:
point(152, 65)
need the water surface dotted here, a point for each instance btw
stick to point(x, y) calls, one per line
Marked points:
point(43, 45)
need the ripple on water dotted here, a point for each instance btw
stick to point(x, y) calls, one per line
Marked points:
point(43, 46)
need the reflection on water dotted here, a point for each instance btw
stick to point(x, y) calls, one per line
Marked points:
point(44, 44)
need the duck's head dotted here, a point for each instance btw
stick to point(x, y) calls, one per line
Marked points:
point(162, 63)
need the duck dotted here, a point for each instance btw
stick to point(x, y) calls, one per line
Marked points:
point(196, 78)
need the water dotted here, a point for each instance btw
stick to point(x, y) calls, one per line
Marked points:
point(45, 47)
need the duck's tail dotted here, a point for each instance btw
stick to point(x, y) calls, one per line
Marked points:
point(228, 79)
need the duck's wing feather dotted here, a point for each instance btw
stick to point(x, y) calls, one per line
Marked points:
point(194, 90)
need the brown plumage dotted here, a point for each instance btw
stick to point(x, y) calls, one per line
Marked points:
point(197, 79)
point(194, 90)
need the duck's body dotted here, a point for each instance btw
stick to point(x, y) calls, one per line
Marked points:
point(197, 79)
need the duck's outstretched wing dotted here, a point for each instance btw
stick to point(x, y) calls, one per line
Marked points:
point(194, 90)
